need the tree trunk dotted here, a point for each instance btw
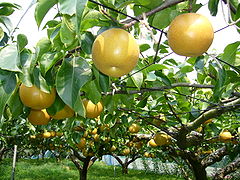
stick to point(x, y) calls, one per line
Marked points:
point(199, 171)
point(125, 168)
point(83, 171)
point(82, 174)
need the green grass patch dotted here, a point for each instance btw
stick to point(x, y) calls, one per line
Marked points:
point(49, 169)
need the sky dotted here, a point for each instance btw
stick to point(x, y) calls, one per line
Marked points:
point(29, 27)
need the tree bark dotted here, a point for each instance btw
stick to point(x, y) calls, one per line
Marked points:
point(91, 162)
point(198, 170)
point(125, 168)
point(231, 167)
point(214, 157)
point(83, 171)
point(126, 163)
point(194, 163)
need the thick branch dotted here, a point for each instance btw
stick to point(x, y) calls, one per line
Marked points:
point(161, 88)
point(214, 157)
point(136, 156)
point(166, 4)
point(77, 155)
point(118, 159)
point(212, 113)
point(92, 162)
point(75, 161)
point(231, 167)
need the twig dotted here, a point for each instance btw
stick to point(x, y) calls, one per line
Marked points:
point(212, 113)
point(234, 67)
point(106, 14)
point(133, 18)
point(32, 3)
point(166, 4)
point(145, 67)
point(158, 45)
point(173, 111)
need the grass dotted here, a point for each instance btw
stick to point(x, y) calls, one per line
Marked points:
point(27, 169)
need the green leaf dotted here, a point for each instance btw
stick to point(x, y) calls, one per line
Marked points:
point(4, 40)
point(150, 4)
point(80, 6)
point(9, 59)
point(163, 77)
point(6, 4)
point(92, 92)
point(15, 105)
point(6, 11)
point(48, 60)
point(92, 18)
point(56, 106)
point(67, 30)
point(42, 8)
point(39, 81)
point(6, 22)
point(1, 34)
point(86, 42)
point(162, 18)
point(43, 46)
point(27, 60)
point(213, 7)
point(137, 78)
point(199, 63)
point(8, 81)
point(71, 77)
point(111, 102)
point(68, 7)
point(103, 81)
point(143, 102)
point(144, 47)
point(3, 100)
point(156, 67)
point(219, 87)
point(22, 41)
point(229, 54)
point(186, 69)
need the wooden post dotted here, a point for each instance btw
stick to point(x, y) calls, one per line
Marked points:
point(14, 162)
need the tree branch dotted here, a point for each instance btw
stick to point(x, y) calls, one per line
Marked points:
point(77, 155)
point(212, 113)
point(76, 163)
point(134, 157)
point(231, 167)
point(161, 88)
point(92, 162)
point(173, 111)
point(118, 159)
point(214, 157)
point(130, 22)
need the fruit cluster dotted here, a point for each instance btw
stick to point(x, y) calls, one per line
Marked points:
point(39, 101)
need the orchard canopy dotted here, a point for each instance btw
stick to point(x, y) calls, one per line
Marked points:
point(145, 63)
